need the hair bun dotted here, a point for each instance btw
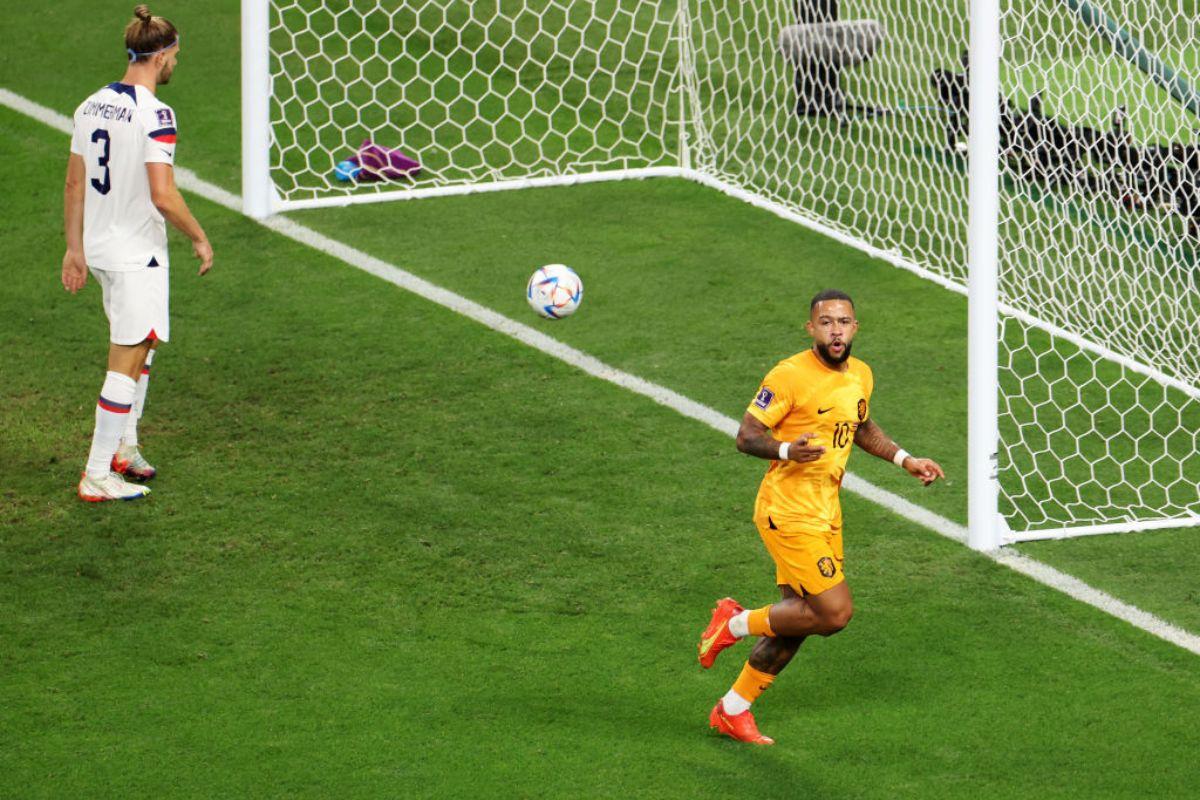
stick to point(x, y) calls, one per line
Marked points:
point(142, 12)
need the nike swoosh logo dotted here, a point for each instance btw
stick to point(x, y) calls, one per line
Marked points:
point(165, 152)
point(823, 410)
point(706, 644)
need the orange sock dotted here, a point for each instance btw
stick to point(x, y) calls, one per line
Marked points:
point(759, 622)
point(751, 683)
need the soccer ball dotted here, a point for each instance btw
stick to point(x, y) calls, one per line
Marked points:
point(554, 291)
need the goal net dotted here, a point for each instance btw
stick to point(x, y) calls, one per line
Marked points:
point(1100, 353)
point(849, 116)
point(494, 92)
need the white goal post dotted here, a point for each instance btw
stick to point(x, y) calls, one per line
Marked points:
point(1039, 156)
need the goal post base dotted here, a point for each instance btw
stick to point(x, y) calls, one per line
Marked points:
point(1096, 530)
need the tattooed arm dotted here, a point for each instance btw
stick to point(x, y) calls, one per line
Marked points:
point(871, 438)
point(755, 439)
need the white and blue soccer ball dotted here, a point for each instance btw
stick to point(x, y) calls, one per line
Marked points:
point(554, 291)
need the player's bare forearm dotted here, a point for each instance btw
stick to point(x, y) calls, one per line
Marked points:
point(871, 438)
point(74, 266)
point(175, 211)
point(73, 203)
point(170, 203)
point(755, 439)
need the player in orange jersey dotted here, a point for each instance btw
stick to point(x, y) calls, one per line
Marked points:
point(808, 411)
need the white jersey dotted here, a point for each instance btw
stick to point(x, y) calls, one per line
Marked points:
point(118, 130)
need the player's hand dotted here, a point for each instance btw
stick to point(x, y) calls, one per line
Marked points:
point(926, 470)
point(804, 449)
point(203, 251)
point(74, 271)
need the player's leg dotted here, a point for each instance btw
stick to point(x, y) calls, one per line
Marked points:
point(138, 311)
point(812, 564)
point(768, 658)
point(112, 411)
point(130, 437)
point(731, 715)
point(131, 331)
point(129, 460)
point(806, 561)
point(128, 359)
point(821, 614)
point(805, 567)
point(772, 653)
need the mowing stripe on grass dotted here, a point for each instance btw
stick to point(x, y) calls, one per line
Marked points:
point(1042, 573)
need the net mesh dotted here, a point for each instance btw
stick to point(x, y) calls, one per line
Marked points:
point(853, 114)
point(1098, 239)
point(481, 91)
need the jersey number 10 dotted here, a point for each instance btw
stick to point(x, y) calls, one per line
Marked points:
point(842, 434)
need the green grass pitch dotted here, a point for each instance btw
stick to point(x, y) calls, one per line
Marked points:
point(392, 553)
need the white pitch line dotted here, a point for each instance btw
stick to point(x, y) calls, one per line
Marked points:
point(1042, 573)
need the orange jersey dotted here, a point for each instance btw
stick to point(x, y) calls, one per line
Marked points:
point(803, 395)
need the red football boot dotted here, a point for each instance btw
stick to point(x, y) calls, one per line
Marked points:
point(716, 636)
point(738, 726)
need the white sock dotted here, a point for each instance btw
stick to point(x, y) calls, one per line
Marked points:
point(734, 703)
point(130, 437)
point(112, 411)
point(739, 624)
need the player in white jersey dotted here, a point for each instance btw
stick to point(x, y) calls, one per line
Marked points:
point(120, 192)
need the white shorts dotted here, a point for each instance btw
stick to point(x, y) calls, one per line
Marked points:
point(135, 303)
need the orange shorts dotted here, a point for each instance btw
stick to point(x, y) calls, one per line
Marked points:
point(808, 560)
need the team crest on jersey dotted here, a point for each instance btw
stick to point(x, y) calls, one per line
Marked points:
point(825, 564)
point(764, 398)
point(862, 409)
point(165, 117)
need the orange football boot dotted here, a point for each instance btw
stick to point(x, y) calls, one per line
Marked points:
point(738, 726)
point(716, 636)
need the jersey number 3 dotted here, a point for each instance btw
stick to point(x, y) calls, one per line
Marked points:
point(104, 186)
